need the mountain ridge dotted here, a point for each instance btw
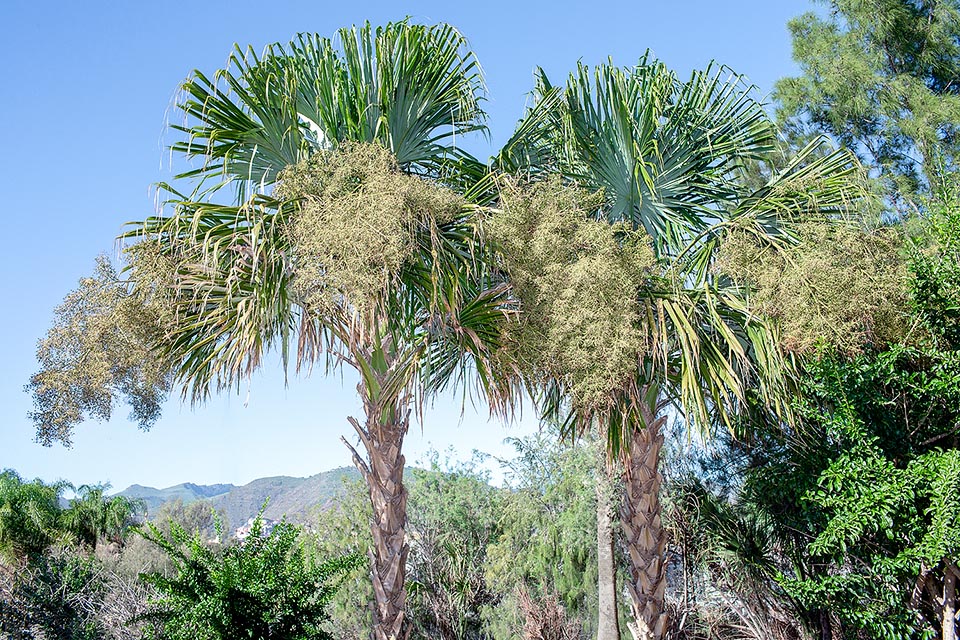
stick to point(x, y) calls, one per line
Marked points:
point(293, 498)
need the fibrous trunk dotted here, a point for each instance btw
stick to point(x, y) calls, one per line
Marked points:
point(383, 441)
point(646, 539)
point(608, 624)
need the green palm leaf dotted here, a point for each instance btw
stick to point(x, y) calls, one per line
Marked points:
point(665, 152)
point(415, 89)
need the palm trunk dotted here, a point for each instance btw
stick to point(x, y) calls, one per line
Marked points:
point(608, 623)
point(949, 602)
point(383, 441)
point(646, 538)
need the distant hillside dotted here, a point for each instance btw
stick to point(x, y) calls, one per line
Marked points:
point(187, 491)
point(295, 498)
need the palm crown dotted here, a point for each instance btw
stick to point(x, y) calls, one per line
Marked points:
point(411, 89)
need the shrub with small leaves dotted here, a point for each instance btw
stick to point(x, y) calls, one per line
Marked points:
point(262, 588)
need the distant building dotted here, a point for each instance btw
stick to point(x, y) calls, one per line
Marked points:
point(266, 528)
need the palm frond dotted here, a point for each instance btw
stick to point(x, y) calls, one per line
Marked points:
point(413, 88)
point(665, 152)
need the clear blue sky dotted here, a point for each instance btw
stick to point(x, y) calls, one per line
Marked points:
point(85, 91)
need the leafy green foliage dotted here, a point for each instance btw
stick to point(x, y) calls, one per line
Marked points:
point(548, 543)
point(455, 515)
point(29, 515)
point(264, 587)
point(54, 598)
point(895, 512)
point(936, 263)
point(880, 76)
point(472, 545)
point(92, 516)
point(860, 498)
point(342, 528)
point(32, 519)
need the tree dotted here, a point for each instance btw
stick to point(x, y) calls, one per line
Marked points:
point(264, 587)
point(472, 545)
point(575, 282)
point(51, 587)
point(455, 516)
point(326, 144)
point(29, 515)
point(856, 531)
point(887, 492)
point(93, 518)
point(881, 77)
point(668, 158)
point(546, 559)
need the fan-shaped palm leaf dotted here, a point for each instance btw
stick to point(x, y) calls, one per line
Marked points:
point(412, 88)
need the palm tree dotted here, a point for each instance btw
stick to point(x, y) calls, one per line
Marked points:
point(28, 515)
point(313, 133)
point(92, 517)
point(668, 157)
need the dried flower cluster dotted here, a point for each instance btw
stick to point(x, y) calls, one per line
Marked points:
point(101, 346)
point(359, 221)
point(576, 280)
point(839, 287)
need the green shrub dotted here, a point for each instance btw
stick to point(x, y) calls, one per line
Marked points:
point(263, 587)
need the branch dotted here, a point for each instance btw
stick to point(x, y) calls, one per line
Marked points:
point(357, 460)
point(364, 435)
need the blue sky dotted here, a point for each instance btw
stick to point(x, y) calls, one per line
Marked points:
point(83, 101)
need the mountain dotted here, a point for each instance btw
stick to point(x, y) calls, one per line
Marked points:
point(297, 499)
point(187, 491)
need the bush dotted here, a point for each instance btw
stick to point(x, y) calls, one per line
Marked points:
point(264, 587)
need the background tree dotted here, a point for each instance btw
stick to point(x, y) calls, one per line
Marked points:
point(455, 515)
point(881, 78)
point(93, 517)
point(29, 515)
point(547, 551)
point(51, 583)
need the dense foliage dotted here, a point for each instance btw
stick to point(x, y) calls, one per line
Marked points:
point(635, 254)
point(849, 519)
point(478, 552)
point(264, 587)
point(880, 77)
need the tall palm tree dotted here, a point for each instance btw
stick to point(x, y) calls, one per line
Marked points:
point(240, 279)
point(668, 156)
point(93, 517)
